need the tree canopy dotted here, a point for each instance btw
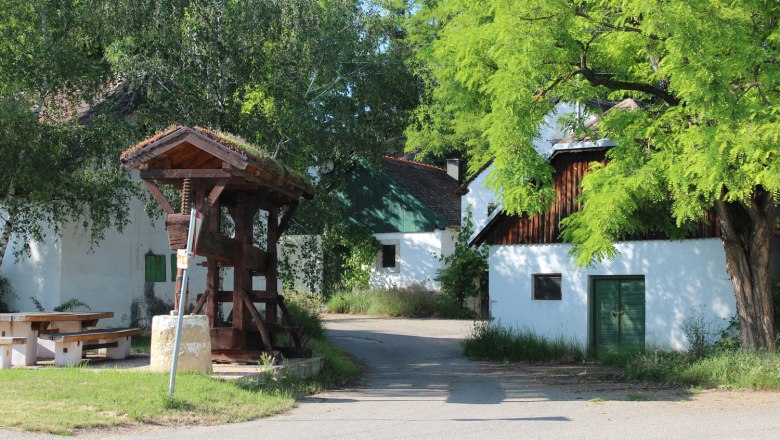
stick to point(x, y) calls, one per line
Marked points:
point(309, 80)
point(706, 75)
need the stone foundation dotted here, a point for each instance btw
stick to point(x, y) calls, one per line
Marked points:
point(194, 346)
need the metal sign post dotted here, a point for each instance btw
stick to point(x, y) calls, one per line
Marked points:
point(183, 262)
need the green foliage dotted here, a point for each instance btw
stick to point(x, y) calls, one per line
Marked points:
point(700, 334)
point(491, 85)
point(707, 80)
point(411, 302)
point(6, 291)
point(305, 311)
point(349, 252)
point(464, 272)
point(301, 263)
point(67, 306)
point(506, 344)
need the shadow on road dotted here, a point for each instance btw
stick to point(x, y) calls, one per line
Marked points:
point(403, 367)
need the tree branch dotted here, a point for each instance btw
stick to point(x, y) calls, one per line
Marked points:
point(606, 80)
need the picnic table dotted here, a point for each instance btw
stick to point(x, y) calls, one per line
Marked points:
point(30, 325)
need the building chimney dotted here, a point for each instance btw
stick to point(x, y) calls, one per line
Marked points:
point(453, 169)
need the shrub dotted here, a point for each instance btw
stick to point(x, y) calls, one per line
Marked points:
point(410, 302)
point(305, 312)
point(495, 342)
point(464, 272)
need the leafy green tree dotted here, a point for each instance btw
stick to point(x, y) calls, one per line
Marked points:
point(707, 76)
point(52, 169)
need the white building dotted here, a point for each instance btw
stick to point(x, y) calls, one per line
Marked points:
point(414, 212)
point(640, 298)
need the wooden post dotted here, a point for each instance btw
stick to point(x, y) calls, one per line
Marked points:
point(212, 274)
point(240, 274)
point(271, 262)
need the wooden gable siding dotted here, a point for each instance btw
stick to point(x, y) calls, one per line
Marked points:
point(570, 168)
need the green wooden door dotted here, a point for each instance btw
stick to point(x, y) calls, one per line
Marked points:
point(619, 313)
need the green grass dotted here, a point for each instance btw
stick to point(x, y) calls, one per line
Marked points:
point(733, 369)
point(61, 400)
point(408, 303)
point(495, 342)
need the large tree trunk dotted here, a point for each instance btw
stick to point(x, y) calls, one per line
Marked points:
point(747, 232)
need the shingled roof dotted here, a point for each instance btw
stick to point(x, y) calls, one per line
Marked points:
point(431, 185)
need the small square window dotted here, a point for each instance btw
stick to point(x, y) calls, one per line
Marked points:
point(547, 287)
point(388, 255)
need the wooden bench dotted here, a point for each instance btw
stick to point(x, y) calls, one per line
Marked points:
point(6, 343)
point(69, 347)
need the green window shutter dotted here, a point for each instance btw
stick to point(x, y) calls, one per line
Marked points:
point(173, 267)
point(155, 268)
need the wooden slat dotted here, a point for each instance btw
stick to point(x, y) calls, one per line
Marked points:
point(92, 335)
point(184, 174)
point(54, 316)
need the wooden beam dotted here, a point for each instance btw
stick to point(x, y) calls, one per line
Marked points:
point(157, 148)
point(216, 149)
point(158, 195)
point(256, 318)
point(256, 179)
point(216, 192)
point(184, 174)
point(284, 223)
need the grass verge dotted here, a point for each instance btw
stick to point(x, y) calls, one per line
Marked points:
point(733, 369)
point(512, 345)
point(61, 400)
point(408, 303)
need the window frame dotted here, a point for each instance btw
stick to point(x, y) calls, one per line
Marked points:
point(535, 287)
point(379, 264)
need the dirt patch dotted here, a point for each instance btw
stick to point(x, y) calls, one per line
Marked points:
point(587, 382)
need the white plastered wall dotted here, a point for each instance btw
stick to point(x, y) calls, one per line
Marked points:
point(477, 199)
point(679, 276)
point(417, 259)
point(36, 275)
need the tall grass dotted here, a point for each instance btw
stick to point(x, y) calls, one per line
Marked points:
point(408, 302)
point(735, 369)
point(508, 344)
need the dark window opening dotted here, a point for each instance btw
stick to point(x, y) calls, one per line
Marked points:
point(388, 255)
point(547, 287)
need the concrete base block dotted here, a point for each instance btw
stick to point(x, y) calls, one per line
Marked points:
point(194, 346)
point(121, 351)
point(67, 353)
point(46, 348)
point(24, 354)
point(5, 357)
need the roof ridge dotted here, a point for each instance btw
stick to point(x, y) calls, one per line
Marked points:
point(411, 162)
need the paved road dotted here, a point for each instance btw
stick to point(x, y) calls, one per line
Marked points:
point(418, 386)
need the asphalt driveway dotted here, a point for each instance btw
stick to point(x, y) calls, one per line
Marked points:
point(417, 385)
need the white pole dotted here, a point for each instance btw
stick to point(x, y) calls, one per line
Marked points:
point(180, 319)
